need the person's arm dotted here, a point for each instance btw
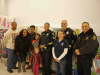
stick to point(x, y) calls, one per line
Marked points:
point(6, 37)
point(31, 58)
point(57, 35)
point(66, 45)
point(16, 45)
point(53, 53)
point(90, 46)
point(73, 36)
point(75, 44)
point(40, 59)
point(63, 54)
point(30, 45)
point(52, 40)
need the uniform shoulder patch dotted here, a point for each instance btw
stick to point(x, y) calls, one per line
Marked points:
point(94, 37)
point(53, 33)
point(74, 33)
point(87, 38)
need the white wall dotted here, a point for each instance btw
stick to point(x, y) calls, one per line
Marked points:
point(38, 12)
point(2, 7)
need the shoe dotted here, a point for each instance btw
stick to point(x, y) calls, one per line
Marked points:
point(19, 67)
point(15, 68)
point(28, 67)
point(23, 66)
point(10, 71)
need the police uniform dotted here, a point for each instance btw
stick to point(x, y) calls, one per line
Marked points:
point(47, 39)
point(88, 45)
point(71, 37)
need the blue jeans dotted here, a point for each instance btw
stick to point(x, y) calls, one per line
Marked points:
point(60, 66)
point(23, 58)
point(12, 59)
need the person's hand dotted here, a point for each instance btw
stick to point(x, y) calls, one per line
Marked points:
point(57, 60)
point(17, 53)
point(42, 46)
point(29, 64)
point(77, 52)
point(40, 65)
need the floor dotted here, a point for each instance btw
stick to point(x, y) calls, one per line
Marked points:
point(3, 70)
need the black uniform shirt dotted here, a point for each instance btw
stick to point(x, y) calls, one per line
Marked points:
point(59, 47)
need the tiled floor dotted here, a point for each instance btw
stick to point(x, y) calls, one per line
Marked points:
point(3, 70)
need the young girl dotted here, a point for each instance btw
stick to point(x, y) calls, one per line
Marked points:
point(59, 51)
point(36, 59)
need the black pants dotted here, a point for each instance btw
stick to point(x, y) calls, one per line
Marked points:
point(84, 65)
point(46, 62)
point(68, 69)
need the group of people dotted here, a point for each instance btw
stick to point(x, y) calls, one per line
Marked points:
point(45, 45)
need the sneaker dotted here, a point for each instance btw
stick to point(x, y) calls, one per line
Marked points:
point(10, 71)
point(15, 68)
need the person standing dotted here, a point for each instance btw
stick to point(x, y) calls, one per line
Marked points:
point(10, 36)
point(45, 43)
point(22, 43)
point(71, 37)
point(85, 47)
point(36, 60)
point(32, 37)
point(59, 51)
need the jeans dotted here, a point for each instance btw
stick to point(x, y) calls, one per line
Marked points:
point(12, 59)
point(23, 58)
point(60, 66)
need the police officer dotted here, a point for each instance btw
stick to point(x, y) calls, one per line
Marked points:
point(86, 48)
point(46, 42)
point(71, 37)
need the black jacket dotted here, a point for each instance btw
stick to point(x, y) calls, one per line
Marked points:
point(22, 44)
point(87, 44)
point(47, 39)
point(71, 37)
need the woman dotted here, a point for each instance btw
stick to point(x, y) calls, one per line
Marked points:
point(46, 42)
point(59, 51)
point(22, 43)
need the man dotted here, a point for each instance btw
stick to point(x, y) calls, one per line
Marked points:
point(10, 36)
point(32, 37)
point(71, 37)
point(46, 42)
point(86, 48)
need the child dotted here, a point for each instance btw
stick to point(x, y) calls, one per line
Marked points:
point(35, 43)
point(36, 59)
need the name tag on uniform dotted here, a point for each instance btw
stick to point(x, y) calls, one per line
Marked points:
point(67, 32)
point(62, 44)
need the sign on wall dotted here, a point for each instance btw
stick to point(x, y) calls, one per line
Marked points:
point(5, 22)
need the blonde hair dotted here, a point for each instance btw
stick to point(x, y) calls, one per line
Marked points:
point(36, 48)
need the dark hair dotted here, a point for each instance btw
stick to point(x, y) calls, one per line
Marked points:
point(61, 31)
point(37, 34)
point(32, 26)
point(21, 32)
point(47, 23)
point(13, 22)
point(85, 22)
